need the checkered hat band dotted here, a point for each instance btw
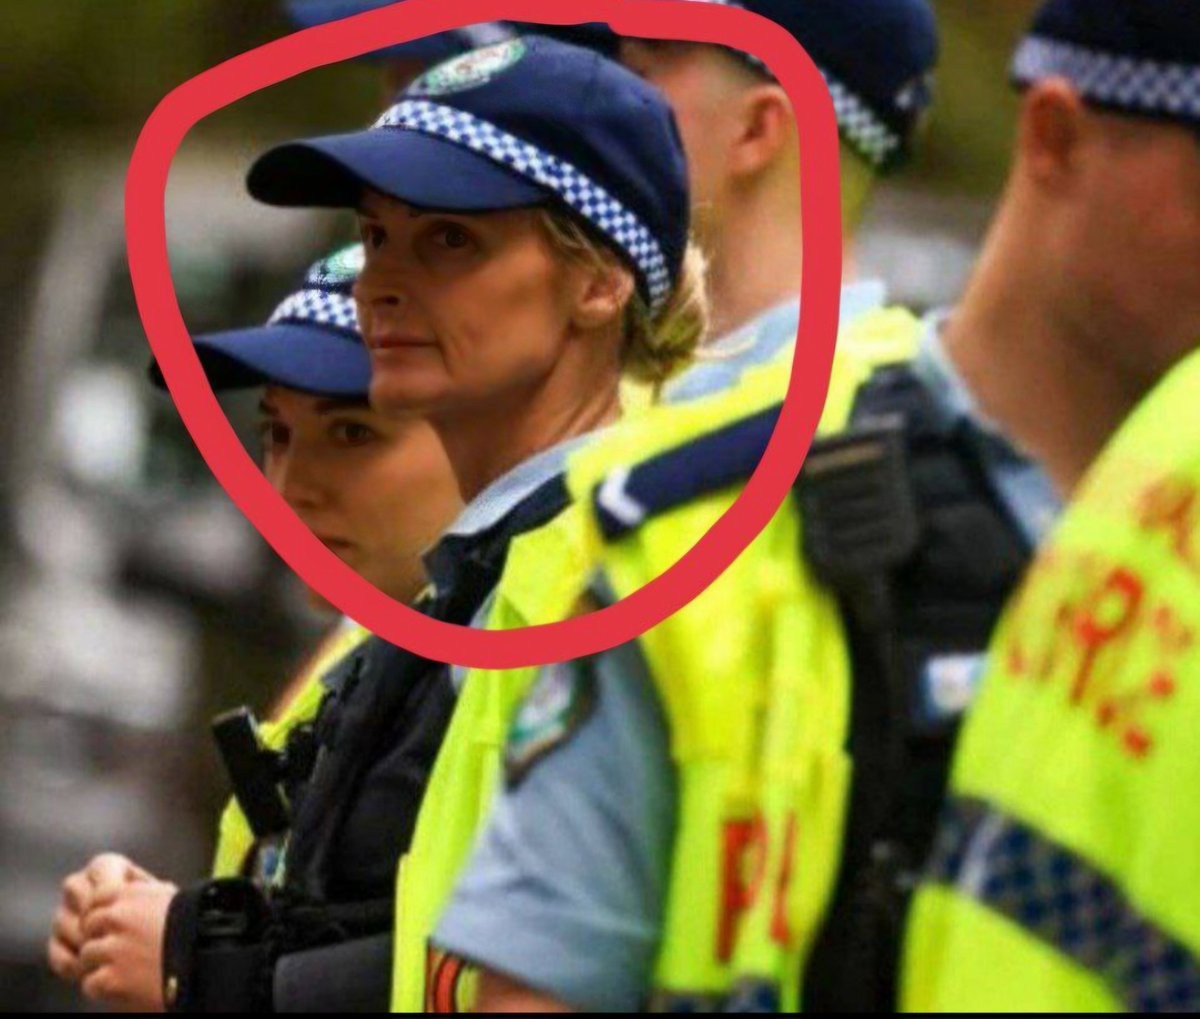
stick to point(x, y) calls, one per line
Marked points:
point(318, 307)
point(1139, 86)
point(863, 129)
point(1066, 902)
point(578, 191)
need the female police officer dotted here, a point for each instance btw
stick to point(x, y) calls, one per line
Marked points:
point(351, 474)
point(524, 209)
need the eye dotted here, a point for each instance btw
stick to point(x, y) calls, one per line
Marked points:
point(273, 435)
point(373, 235)
point(453, 237)
point(353, 433)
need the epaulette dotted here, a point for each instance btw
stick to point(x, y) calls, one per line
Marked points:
point(630, 495)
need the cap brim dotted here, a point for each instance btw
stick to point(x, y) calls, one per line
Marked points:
point(305, 358)
point(417, 168)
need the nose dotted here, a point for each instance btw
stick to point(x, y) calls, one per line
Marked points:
point(376, 288)
point(296, 476)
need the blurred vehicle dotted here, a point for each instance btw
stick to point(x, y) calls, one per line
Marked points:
point(135, 599)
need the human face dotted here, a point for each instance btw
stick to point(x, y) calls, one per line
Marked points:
point(376, 490)
point(460, 310)
point(1131, 242)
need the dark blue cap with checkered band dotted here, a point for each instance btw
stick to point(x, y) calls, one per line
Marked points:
point(310, 343)
point(877, 57)
point(531, 121)
point(1137, 57)
point(429, 49)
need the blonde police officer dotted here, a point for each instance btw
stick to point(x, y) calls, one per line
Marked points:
point(524, 210)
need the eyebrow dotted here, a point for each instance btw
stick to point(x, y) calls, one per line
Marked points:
point(332, 405)
point(329, 405)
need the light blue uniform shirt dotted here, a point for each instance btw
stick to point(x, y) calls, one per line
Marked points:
point(566, 889)
point(486, 510)
point(723, 362)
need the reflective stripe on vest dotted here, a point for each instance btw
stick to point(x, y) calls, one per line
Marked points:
point(235, 841)
point(1070, 882)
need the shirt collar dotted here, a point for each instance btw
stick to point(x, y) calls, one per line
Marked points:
point(861, 297)
point(499, 499)
point(857, 299)
point(937, 370)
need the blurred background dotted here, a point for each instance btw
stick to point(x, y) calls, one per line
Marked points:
point(135, 601)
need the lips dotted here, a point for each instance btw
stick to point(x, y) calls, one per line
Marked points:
point(397, 341)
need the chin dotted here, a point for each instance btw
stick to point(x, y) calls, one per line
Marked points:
point(407, 392)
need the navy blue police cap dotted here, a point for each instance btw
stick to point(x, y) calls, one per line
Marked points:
point(527, 122)
point(310, 343)
point(1137, 57)
point(877, 57)
point(428, 50)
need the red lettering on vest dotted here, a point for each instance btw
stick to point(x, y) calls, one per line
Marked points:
point(443, 973)
point(1104, 617)
point(744, 864)
point(1171, 506)
point(781, 927)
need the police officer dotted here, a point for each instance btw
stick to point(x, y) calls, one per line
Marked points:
point(894, 626)
point(353, 476)
point(738, 128)
point(509, 329)
point(1064, 875)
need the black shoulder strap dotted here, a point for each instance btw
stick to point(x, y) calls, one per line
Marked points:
point(629, 497)
point(901, 521)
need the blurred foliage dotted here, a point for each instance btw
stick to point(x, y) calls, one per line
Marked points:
point(96, 68)
point(970, 132)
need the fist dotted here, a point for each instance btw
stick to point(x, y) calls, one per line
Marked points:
point(102, 876)
point(120, 960)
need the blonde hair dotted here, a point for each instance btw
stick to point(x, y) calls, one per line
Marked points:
point(658, 344)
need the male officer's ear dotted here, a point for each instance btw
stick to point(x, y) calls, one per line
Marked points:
point(767, 129)
point(1054, 128)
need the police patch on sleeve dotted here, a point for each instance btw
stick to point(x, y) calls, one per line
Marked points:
point(468, 70)
point(561, 701)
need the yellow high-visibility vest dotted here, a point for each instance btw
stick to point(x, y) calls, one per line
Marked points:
point(754, 782)
point(1067, 874)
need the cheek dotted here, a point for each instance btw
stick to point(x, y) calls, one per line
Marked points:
point(405, 496)
point(510, 316)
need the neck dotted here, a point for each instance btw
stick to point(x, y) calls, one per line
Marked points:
point(486, 439)
point(755, 260)
point(1032, 367)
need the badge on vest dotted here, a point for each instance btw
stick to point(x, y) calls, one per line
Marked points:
point(560, 702)
point(948, 687)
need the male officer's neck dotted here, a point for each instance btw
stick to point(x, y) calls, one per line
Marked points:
point(484, 440)
point(1031, 367)
point(755, 256)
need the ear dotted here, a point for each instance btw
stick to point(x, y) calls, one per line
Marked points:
point(1052, 132)
point(602, 297)
point(766, 127)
